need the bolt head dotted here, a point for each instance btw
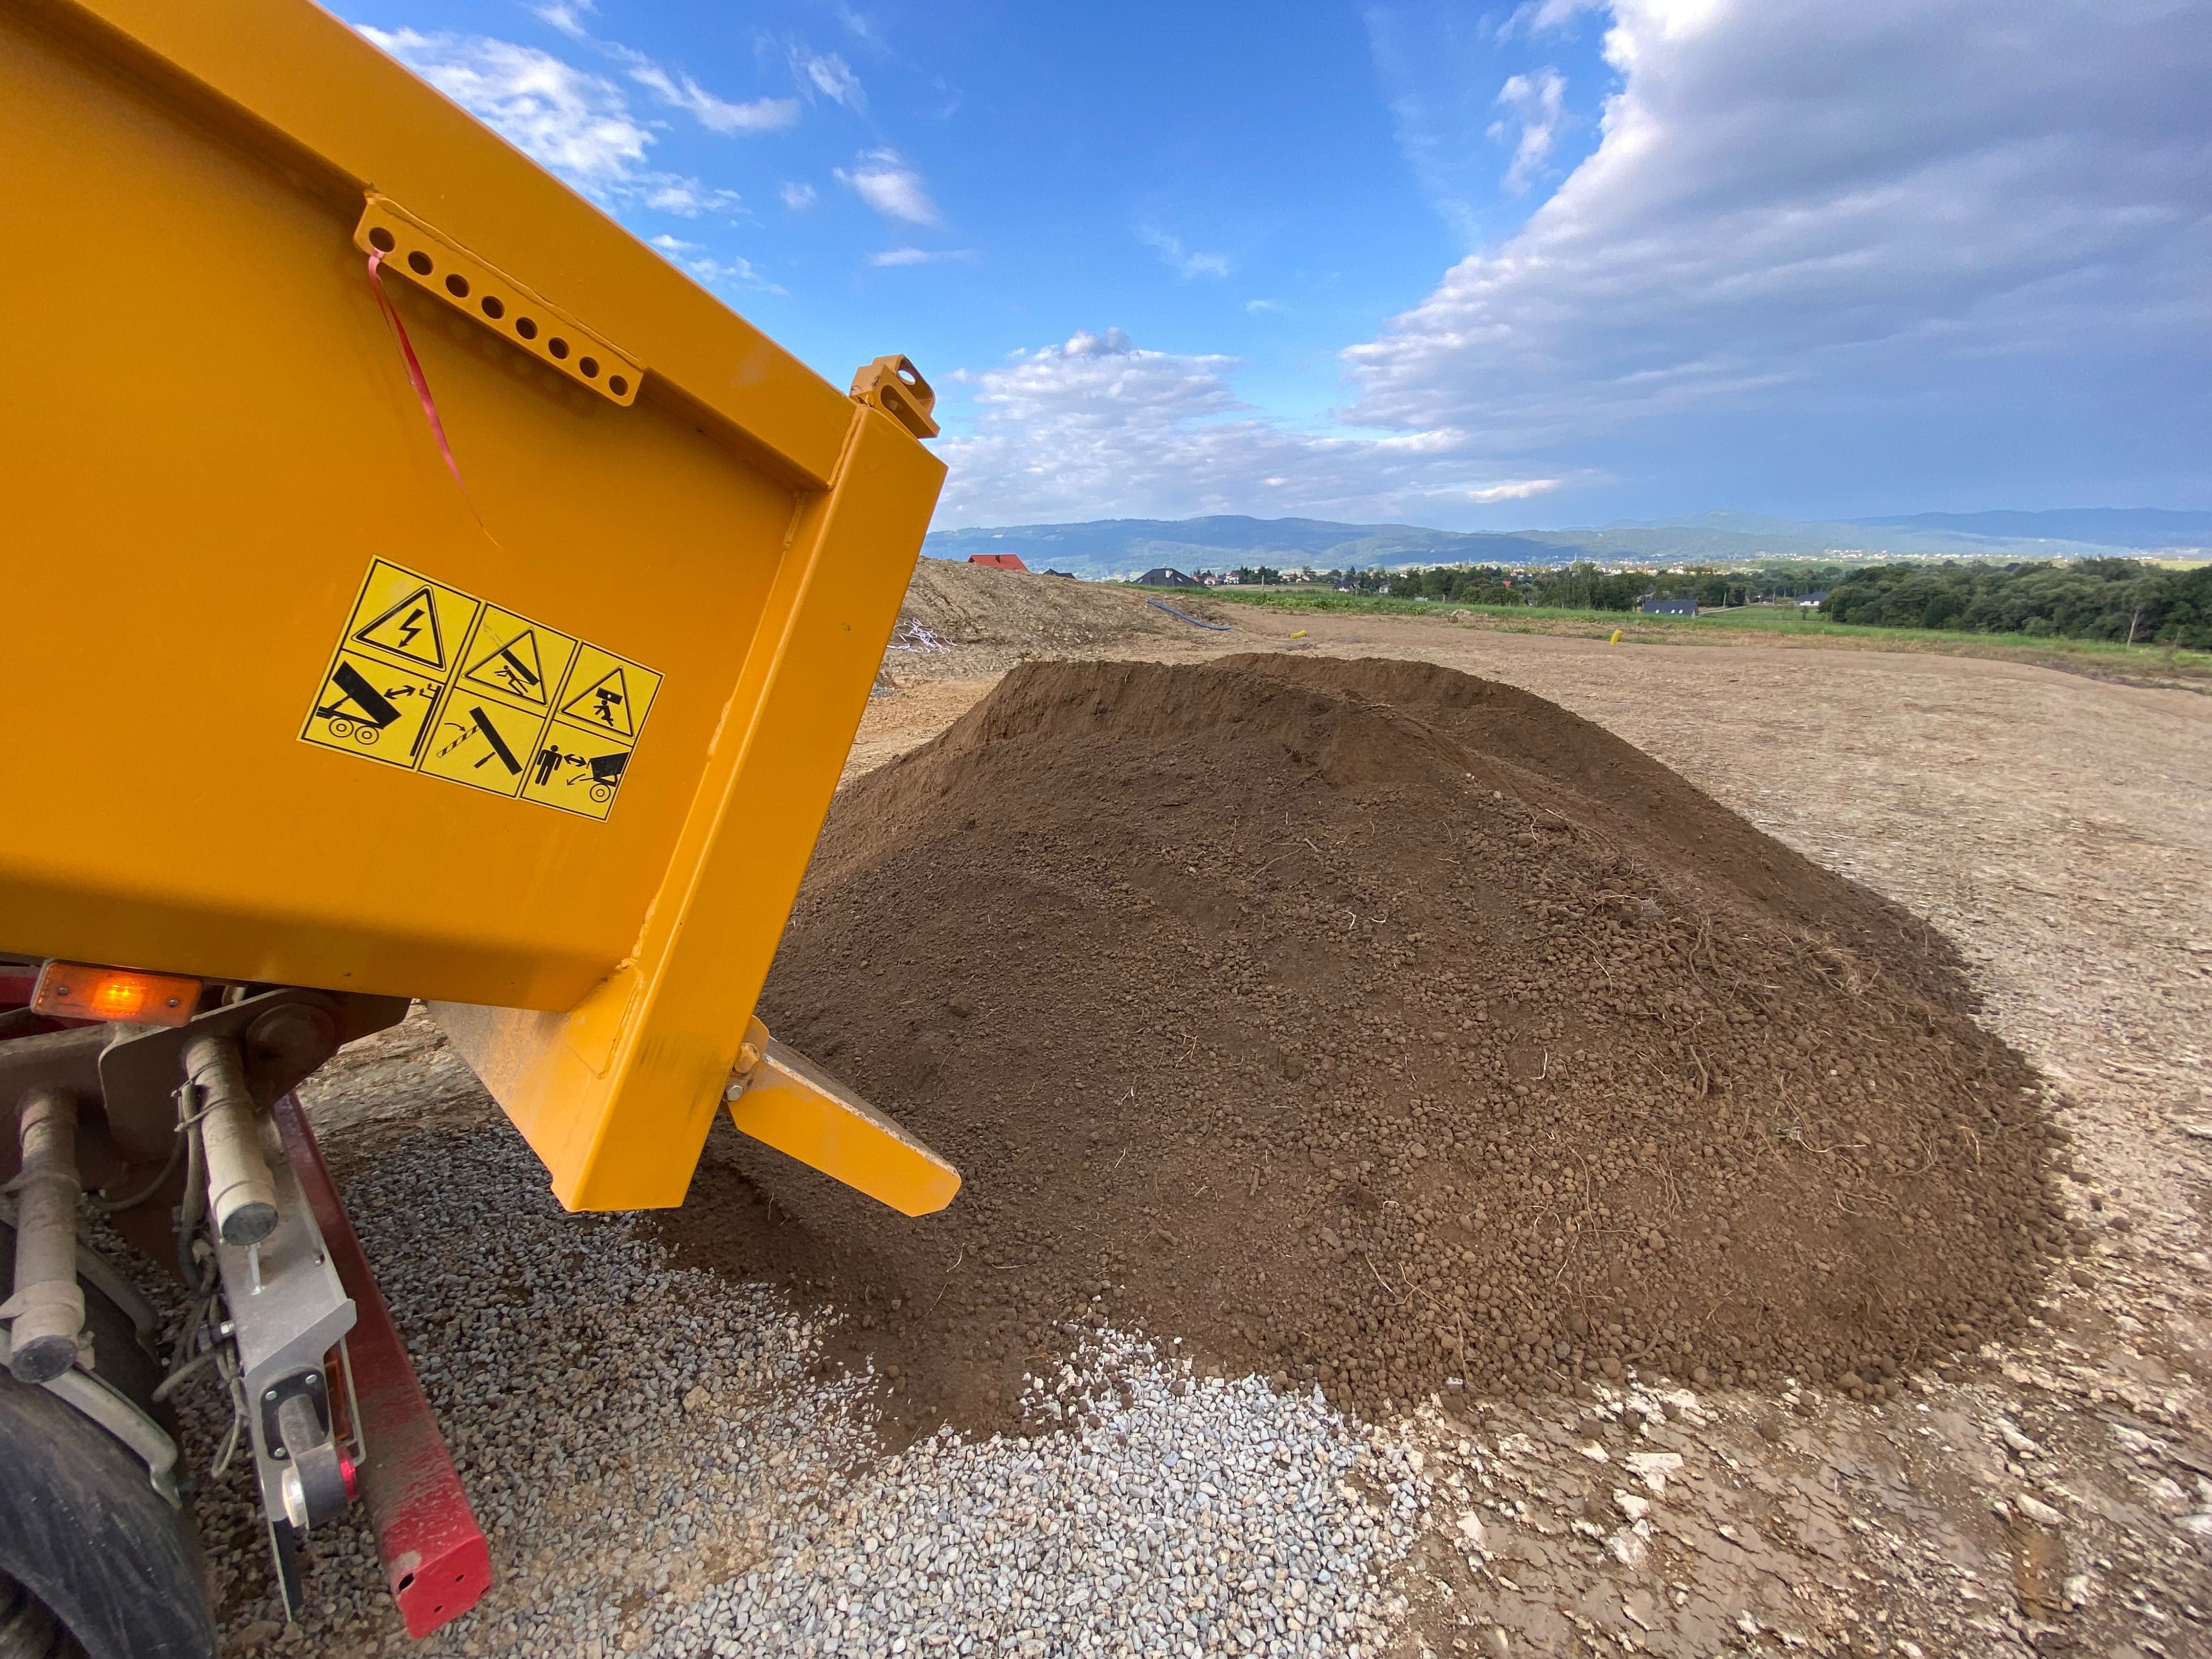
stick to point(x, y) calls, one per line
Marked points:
point(270, 1396)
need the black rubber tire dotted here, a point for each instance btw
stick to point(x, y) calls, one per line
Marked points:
point(82, 1529)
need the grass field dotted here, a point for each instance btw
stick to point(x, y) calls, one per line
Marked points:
point(1751, 624)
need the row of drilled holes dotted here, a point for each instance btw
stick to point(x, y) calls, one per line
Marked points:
point(495, 308)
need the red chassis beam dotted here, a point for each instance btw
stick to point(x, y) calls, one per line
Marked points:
point(435, 1558)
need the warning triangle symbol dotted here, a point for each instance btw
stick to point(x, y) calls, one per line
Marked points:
point(603, 705)
point(514, 667)
point(408, 630)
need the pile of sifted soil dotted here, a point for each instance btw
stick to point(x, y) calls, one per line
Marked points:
point(965, 620)
point(1371, 1024)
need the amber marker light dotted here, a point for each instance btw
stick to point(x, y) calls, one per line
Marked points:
point(76, 990)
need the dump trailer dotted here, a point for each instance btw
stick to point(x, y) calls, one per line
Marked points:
point(417, 589)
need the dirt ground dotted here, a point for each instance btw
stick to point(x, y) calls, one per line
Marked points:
point(2058, 830)
point(2057, 1497)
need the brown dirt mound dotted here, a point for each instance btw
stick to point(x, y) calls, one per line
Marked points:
point(969, 619)
point(1376, 1025)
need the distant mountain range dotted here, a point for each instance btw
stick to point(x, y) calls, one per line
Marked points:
point(1125, 547)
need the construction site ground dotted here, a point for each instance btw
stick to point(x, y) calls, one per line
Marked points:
point(670, 1463)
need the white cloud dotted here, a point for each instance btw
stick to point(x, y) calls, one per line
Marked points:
point(917, 256)
point(713, 113)
point(1187, 265)
point(829, 75)
point(1820, 249)
point(1877, 212)
point(725, 275)
point(565, 16)
point(1536, 102)
point(1100, 426)
point(677, 90)
point(1540, 16)
point(672, 193)
point(892, 188)
point(1520, 491)
point(797, 196)
point(577, 124)
point(1257, 306)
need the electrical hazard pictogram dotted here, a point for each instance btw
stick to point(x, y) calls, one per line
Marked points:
point(606, 694)
point(408, 630)
point(409, 618)
point(516, 658)
point(430, 679)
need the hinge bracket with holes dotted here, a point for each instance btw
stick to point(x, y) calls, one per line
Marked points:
point(477, 288)
point(895, 386)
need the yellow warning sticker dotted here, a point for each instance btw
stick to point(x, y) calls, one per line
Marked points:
point(435, 680)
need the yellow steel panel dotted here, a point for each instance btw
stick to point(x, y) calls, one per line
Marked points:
point(311, 98)
point(616, 1097)
point(214, 437)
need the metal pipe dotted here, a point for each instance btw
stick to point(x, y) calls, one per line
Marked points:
point(48, 1308)
point(241, 1192)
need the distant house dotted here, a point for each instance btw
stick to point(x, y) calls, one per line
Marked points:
point(1161, 576)
point(1813, 601)
point(1069, 574)
point(1653, 604)
point(999, 560)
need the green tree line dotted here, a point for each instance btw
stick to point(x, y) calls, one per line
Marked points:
point(2132, 601)
point(1584, 586)
point(2129, 600)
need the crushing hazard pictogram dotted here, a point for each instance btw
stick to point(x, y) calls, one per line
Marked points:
point(516, 667)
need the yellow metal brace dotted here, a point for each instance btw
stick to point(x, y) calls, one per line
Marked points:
point(778, 1095)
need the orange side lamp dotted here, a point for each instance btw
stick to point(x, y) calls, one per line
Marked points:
point(78, 990)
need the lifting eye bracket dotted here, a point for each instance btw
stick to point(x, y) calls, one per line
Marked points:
point(477, 288)
point(895, 385)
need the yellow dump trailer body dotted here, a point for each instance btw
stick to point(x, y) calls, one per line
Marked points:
point(287, 703)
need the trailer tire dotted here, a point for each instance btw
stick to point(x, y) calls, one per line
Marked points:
point(84, 1534)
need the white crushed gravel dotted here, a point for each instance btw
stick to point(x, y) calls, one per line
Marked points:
point(660, 1474)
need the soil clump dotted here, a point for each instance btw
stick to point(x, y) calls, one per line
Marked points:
point(1372, 1024)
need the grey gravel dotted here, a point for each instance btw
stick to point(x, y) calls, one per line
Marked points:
point(660, 1473)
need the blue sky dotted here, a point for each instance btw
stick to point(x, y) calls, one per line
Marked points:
point(1469, 265)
